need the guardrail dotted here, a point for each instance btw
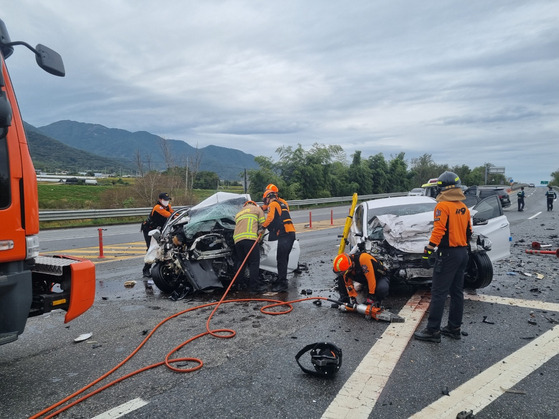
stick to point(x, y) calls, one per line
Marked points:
point(61, 215)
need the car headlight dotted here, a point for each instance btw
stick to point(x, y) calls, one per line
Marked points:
point(484, 242)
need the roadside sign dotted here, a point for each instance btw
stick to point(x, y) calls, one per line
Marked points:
point(494, 169)
point(544, 182)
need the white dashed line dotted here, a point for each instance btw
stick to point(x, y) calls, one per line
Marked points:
point(358, 396)
point(535, 215)
point(492, 383)
point(122, 410)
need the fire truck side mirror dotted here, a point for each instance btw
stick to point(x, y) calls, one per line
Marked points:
point(49, 60)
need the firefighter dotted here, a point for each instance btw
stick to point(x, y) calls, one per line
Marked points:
point(273, 188)
point(365, 269)
point(248, 225)
point(157, 218)
point(451, 234)
point(281, 228)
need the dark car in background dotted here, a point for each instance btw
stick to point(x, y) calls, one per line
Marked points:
point(477, 193)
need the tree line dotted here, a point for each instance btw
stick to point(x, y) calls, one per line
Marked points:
point(323, 171)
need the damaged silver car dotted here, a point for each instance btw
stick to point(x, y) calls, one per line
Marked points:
point(396, 230)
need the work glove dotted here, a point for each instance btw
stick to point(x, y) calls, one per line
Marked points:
point(427, 254)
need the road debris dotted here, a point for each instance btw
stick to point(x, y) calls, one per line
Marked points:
point(486, 321)
point(82, 337)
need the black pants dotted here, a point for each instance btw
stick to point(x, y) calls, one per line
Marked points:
point(253, 261)
point(448, 278)
point(549, 204)
point(520, 204)
point(285, 244)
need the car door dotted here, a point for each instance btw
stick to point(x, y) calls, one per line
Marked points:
point(489, 220)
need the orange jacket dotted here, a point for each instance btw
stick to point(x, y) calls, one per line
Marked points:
point(363, 270)
point(159, 214)
point(278, 219)
point(451, 225)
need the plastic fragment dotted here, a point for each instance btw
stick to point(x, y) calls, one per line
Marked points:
point(83, 336)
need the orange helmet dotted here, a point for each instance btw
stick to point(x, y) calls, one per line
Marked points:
point(268, 193)
point(342, 262)
point(249, 202)
point(272, 188)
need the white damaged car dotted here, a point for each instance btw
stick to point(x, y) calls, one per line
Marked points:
point(396, 230)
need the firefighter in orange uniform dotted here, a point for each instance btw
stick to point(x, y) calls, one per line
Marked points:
point(281, 228)
point(362, 268)
point(451, 235)
point(157, 218)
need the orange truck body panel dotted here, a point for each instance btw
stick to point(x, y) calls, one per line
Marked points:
point(30, 284)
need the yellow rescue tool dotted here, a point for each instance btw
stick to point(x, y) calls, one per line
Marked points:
point(347, 225)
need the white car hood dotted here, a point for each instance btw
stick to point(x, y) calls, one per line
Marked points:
point(408, 233)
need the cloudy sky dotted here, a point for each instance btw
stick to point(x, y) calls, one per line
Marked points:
point(468, 82)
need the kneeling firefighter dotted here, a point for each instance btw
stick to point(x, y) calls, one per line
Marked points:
point(363, 268)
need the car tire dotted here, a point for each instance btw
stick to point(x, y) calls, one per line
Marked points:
point(479, 272)
point(165, 278)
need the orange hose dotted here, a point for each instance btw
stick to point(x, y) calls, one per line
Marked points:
point(218, 333)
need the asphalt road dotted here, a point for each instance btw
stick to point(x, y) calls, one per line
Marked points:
point(507, 365)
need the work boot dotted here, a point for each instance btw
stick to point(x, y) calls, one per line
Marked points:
point(146, 271)
point(451, 332)
point(257, 288)
point(428, 335)
point(280, 285)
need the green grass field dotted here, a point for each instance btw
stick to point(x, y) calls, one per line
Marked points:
point(62, 196)
point(59, 196)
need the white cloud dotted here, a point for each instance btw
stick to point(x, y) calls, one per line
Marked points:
point(468, 82)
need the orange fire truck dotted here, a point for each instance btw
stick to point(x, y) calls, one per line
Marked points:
point(30, 284)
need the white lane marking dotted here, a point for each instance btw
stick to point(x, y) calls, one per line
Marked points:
point(123, 409)
point(486, 387)
point(535, 215)
point(540, 305)
point(361, 391)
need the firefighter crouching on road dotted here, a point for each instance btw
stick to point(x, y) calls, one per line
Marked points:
point(248, 225)
point(281, 228)
point(451, 235)
point(157, 218)
point(363, 268)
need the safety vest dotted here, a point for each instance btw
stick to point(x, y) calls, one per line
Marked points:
point(247, 222)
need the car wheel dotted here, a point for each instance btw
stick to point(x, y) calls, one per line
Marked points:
point(165, 277)
point(479, 272)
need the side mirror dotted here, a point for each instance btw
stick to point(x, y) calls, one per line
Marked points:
point(49, 60)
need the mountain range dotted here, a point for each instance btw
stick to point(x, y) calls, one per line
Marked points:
point(79, 146)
